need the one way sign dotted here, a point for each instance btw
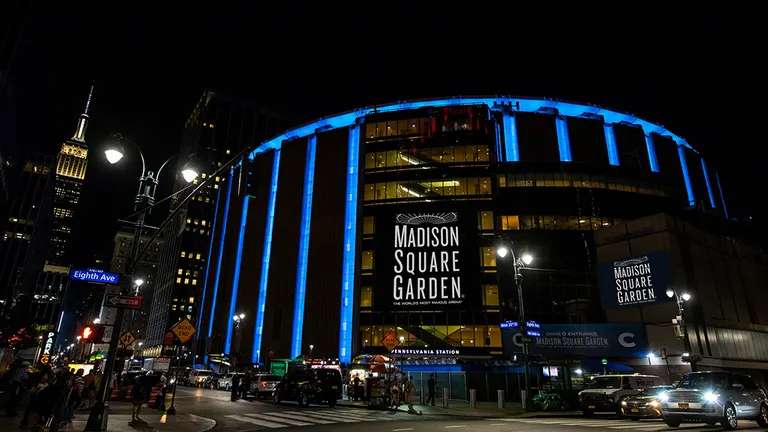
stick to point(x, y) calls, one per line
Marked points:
point(124, 302)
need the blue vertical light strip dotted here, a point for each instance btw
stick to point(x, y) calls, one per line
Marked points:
point(499, 156)
point(258, 328)
point(610, 144)
point(711, 194)
point(303, 259)
point(511, 147)
point(686, 176)
point(563, 141)
point(201, 308)
point(651, 147)
point(221, 252)
point(350, 246)
point(722, 197)
point(236, 276)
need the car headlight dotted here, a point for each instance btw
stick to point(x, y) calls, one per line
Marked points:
point(711, 397)
point(654, 404)
point(623, 403)
point(664, 397)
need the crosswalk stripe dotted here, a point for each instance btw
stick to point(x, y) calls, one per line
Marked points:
point(322, 416)
point(362, 415)
point(299, 417)
point(263, 423)
point(640, 427)
point(281, 420)
point(352, 415)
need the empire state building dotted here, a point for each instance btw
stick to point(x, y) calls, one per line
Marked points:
point(52, 282)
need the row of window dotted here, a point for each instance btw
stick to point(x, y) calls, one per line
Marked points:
point(480, 336)
point(490, 294)
point(573, 223)
point(186, 281)
point(565, 180)
point(424, 156)
point(191, 255)
point(188, 272)
point(405, 189)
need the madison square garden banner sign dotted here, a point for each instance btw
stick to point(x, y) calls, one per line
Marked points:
point(426, 260)
point(634, 281)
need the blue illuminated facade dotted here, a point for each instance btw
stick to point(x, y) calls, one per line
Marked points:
point(369, 168)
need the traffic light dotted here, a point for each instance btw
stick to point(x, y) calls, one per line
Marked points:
point(92, 333)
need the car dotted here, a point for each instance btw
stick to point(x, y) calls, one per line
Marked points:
point(644, 404)
point(714, 397)
point(197, 377)
point(225, 381)
point(305, 385)
point(605, 392)
point(263, 385)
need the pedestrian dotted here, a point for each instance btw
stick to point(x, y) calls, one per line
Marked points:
point(235, 387)
point(89, 385)
point(16, 378)
point(408, 390)
point(431, 390)
point(356, 385)
point(395, 394)
point(245, 386)
point(139, 395)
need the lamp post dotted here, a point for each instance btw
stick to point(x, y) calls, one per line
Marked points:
point(519, 263)
point(143, 202)
point(237, 318)
point(681, 299)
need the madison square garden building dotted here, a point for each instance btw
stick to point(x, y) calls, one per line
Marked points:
point(387, 218)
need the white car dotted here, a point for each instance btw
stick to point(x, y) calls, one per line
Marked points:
point(263, 385)
point(605, 392)
point(225, 382)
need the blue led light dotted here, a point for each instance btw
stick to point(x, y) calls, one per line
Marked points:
point(236, 276)
point(350, 245)
point(651, 147)
point(221, 252)
point(511, 147)
point(686, 176)
point(709, 185)
point(567, 109)
point(497, 130)
point(201, 308)
point(610, 144)
point(563, 140)
point(258, 328)
point(303, 259)
point(722, 197)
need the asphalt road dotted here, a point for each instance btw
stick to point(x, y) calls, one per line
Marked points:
point(256, 416)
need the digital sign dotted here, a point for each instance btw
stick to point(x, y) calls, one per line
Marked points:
point(634, 281)
point(579, 339)
point(94, 275)
point(426, 259)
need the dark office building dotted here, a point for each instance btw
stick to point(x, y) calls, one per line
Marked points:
point(218, 128)
point(387, 218)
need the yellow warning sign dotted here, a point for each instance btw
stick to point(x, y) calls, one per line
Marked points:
point(184, 330)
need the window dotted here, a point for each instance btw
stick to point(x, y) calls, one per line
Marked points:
point(510, 223)
point(427, 189)
point(485, 220)
point(366, 297)
point(180, 271)
point(194, 281)
point(191, 300)
point(490, 295)
point(197, 256)
point(183, 254)
point(369, 225)
point(186, 281)
point(488, 256)
point(178, 280)
point(367, 260)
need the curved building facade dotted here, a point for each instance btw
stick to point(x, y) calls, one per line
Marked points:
point(387, 218)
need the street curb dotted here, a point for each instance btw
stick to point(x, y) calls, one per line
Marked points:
point(213, 426)
point(485, 414)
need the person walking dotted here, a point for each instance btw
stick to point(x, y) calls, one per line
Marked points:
point(395, 394)
point(139, 395)
point(431, 390)
point(235, 387)
point(245, 386)
point(17, 377)
point(408, 390)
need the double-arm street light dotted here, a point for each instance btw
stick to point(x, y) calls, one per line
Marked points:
point(114, 152)
point(519, 263)
point(681, 299)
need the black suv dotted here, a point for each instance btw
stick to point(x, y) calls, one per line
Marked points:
point(305, 386)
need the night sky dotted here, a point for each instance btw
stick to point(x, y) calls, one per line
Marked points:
point(698, 72)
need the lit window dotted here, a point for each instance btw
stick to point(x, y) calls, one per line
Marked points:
point(485, 220)
point(194, 281)
point(191, 300)
point(186, 281)
point(369, 225)
point(367, 260)
point(490, 295)
point(366, 297)
point(488, 256)
point(197, 256)
point(180, 271)
point(178, 280)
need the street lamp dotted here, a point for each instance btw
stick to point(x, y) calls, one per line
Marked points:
point(114, 152)
point(681, 299)
point(519, 263)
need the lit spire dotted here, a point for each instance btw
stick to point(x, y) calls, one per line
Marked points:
point(82, 123)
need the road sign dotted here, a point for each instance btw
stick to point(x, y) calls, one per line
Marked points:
point(184, 330)
point(390, 340)
point(94, 275)
point(127, 339)
point(124, 302)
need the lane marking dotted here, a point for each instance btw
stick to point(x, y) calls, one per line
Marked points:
point(299, 417)
point(321, 416)
point(281, 420)
point(245, 419)
point(401, 429)
point(455, 426)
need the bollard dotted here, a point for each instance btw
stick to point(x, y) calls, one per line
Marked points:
point(500, 396)
point(445, 397)
point(524, 399)
point(472, 398)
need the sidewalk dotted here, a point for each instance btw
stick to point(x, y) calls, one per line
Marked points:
point(483, 409)
point(155, 420)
